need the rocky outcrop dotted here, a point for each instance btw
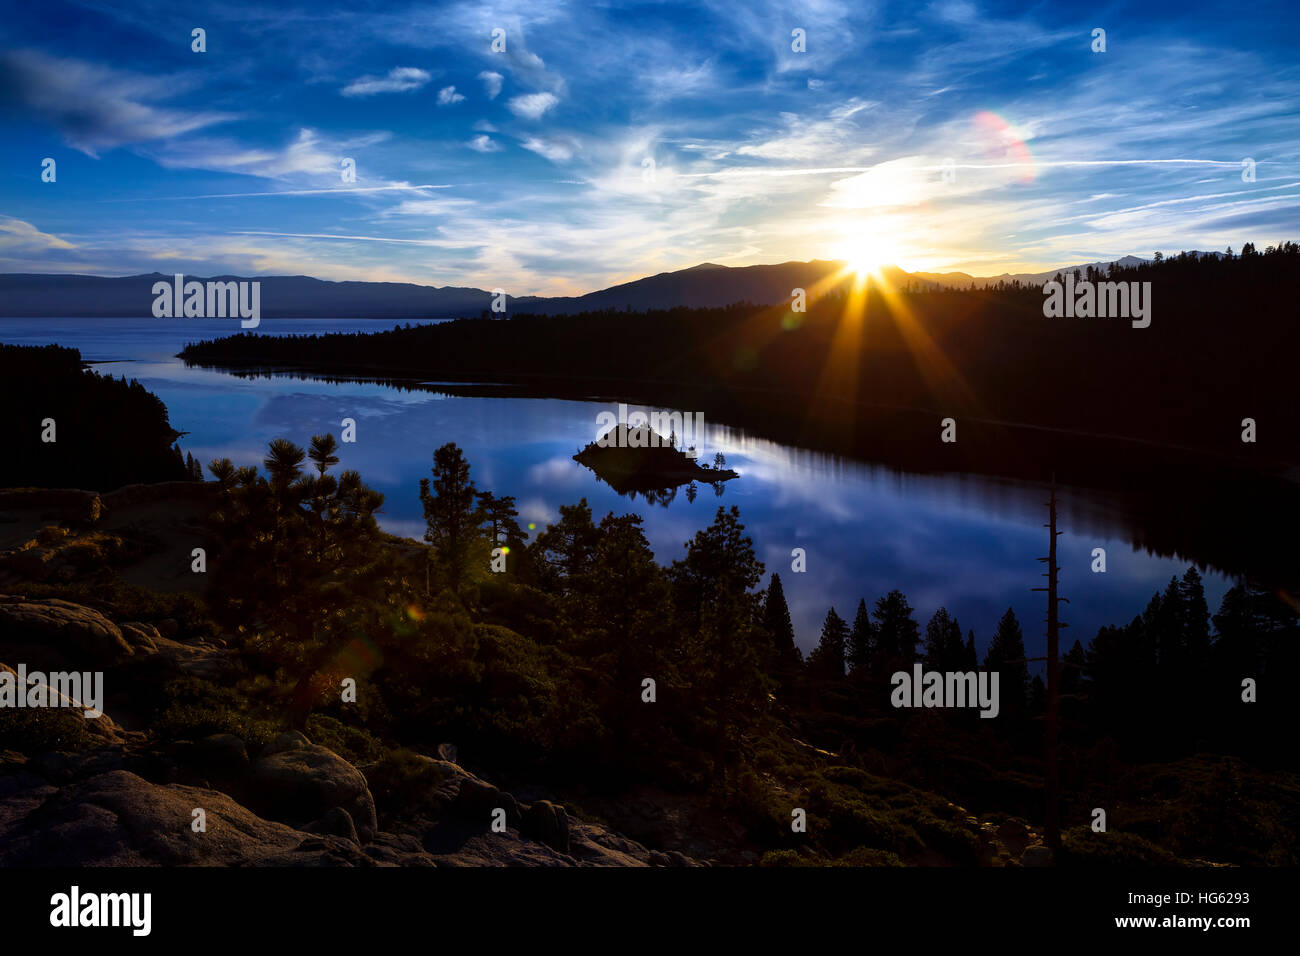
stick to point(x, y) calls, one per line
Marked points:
point(126, 799)
point(116, 807)
point(52, 634)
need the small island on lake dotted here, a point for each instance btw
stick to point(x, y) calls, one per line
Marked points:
point(639, 459)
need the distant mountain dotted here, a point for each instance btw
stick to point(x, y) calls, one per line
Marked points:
point(701, 286)
point(705, 285)
point(962, 280)
point(26, 294)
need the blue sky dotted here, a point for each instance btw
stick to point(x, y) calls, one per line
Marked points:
point(529, 169)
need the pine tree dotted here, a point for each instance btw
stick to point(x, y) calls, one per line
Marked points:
point(298, 554)
point(776, 621)
point(862, 642)
point(715, 603)
point(449, 513)
point(503, 530)
point(565, 552)
point(1072, 675)
point(632, 619)
point(827, 658)
point(1008, 646)
point(896, 634)
point(944, 650)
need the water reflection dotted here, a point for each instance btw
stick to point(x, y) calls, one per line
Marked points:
point(966, 542)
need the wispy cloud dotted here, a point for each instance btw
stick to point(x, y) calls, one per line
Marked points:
point(400, 79)
point(98, 108)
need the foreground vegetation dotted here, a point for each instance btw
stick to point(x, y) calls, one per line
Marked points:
point(537, 671)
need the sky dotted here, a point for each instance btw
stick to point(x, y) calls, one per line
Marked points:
point(594, 143)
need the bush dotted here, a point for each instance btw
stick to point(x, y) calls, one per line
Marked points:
point(197, 708)
point(353, 744)
point(1080, 846)
point(42, 729)
point(403, 784)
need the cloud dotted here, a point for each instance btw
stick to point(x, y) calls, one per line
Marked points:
point(19, 236)
point(309, 154)
point(491, 83)
point(400, 79)
point(532, 105)
point(557, 151)
point(97, 108)
point(448, 95)
point(484, 144)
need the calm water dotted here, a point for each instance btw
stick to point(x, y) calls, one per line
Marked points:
point(965, 543)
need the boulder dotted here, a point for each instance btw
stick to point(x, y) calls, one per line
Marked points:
point(477, 800)
point(302, 784)
point(222, 755)
point(142, 637)
point(289, 740)
point(338, 822)
point(1036, 855)
point(547, 823)
point(119, 819)
point(60, 635)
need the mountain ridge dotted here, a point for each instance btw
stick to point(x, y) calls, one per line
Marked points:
point(708, 284)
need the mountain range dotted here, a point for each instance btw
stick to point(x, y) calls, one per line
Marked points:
point(31, 295)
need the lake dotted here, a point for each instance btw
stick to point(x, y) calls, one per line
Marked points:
point(967, 543)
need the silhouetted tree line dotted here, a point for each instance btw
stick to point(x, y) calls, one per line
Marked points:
point(108, 432)
point(1170, 683)
point(546, 662)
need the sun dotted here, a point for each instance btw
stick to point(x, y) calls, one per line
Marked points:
point(863, 255)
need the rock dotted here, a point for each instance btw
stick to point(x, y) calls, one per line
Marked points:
point(338, 822)
point(304, 783)
point(1036, 855)
point(60, 635)
point(289, 740)
point(1014, 834)
point(390, 849)
point(548, 823)
point(142, 637)
point(477, 801)
point(222, 754)
point(119, 819)
point(194, 660)
point(34, 564)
